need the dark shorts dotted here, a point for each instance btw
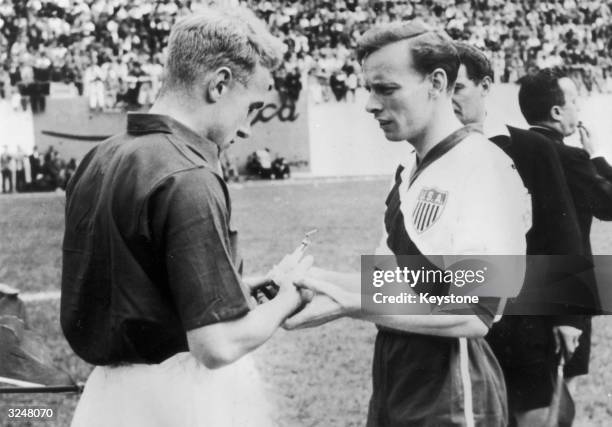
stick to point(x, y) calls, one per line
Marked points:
point(417, 381)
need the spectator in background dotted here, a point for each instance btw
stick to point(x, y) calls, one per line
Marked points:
point(26, 76)
point(264, 158)
point(20, 170)
point(48, 155)
point(280, 76)
point(35, 164)
point(134, 81)
point(146, 93)
point(94, 80)
point(293, 84)
point(41, 85)
point(352, 81)
point(155, 72)
point(6, 163)
point(337, 83)
point(73, 72)
point(515, 35)
point(111, 85)
point(5, 84)
point(52, 169)
point(16, 100)
point(122, 93)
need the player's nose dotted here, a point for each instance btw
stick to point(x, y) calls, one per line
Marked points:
point(373, 105)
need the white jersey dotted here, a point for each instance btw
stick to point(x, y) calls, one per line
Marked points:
point(463, 198)
point(468, 201)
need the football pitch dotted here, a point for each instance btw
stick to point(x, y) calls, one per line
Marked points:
point(317, 377)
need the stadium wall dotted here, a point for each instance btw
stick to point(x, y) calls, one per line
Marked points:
point(346, 140)
point(329, 139)
point(69, 126)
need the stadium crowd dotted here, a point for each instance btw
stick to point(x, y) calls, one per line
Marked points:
point(112, 50)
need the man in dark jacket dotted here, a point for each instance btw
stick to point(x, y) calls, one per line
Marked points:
point(526, 345)
point(548, 101)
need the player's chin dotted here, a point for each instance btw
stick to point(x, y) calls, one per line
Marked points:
point(394, 136)
point(570, 130)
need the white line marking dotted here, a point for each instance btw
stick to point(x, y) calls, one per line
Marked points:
point(19, 383)
point(40, 296)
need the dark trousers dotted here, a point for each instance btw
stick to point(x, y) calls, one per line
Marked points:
point(20, 180)
point(38, 103)
point(24, 102)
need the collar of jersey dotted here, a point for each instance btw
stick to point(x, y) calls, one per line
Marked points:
point(146, 123)
point(441, 148)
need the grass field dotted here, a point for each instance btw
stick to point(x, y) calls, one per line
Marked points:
point(318, 377)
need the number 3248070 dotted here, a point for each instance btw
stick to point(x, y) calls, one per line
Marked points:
point(30, 413)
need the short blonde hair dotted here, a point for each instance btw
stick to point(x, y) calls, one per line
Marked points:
point(218, 37)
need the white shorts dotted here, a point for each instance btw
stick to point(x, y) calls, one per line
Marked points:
point(178, 392)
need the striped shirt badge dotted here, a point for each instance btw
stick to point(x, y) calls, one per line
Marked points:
point(428, 208)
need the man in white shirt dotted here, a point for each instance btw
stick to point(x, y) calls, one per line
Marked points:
point(458, 195)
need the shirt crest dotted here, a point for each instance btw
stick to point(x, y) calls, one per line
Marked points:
point(428, 209)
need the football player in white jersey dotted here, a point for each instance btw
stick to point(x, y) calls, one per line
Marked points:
point(457, 195)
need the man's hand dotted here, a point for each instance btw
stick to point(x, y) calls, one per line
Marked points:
point(321, 309)
point(268, 281)
point(224, 342)
point(285, 280)
point(566, 336)
point(329, 303)
point(349, 301)
point(255, 282)
point(586, 139)
point(288, 263)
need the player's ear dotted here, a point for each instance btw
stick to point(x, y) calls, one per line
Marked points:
point(485, 84)
point(439, 82)
point(555, 113)
point(218, 84)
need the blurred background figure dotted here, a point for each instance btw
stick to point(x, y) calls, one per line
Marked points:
point(6, 163)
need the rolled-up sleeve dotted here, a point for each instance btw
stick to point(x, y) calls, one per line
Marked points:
point(190, 223)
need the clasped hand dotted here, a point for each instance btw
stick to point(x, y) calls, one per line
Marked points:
point(328, 302)
point(318, 300)
point(282, 279)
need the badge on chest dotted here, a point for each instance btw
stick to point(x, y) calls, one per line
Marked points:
point(428, 209)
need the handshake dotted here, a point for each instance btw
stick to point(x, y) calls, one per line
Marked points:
point(316, 300)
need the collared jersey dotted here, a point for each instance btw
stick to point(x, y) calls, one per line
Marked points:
point(464, 197)
point(469, 201)
point(148, 252)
